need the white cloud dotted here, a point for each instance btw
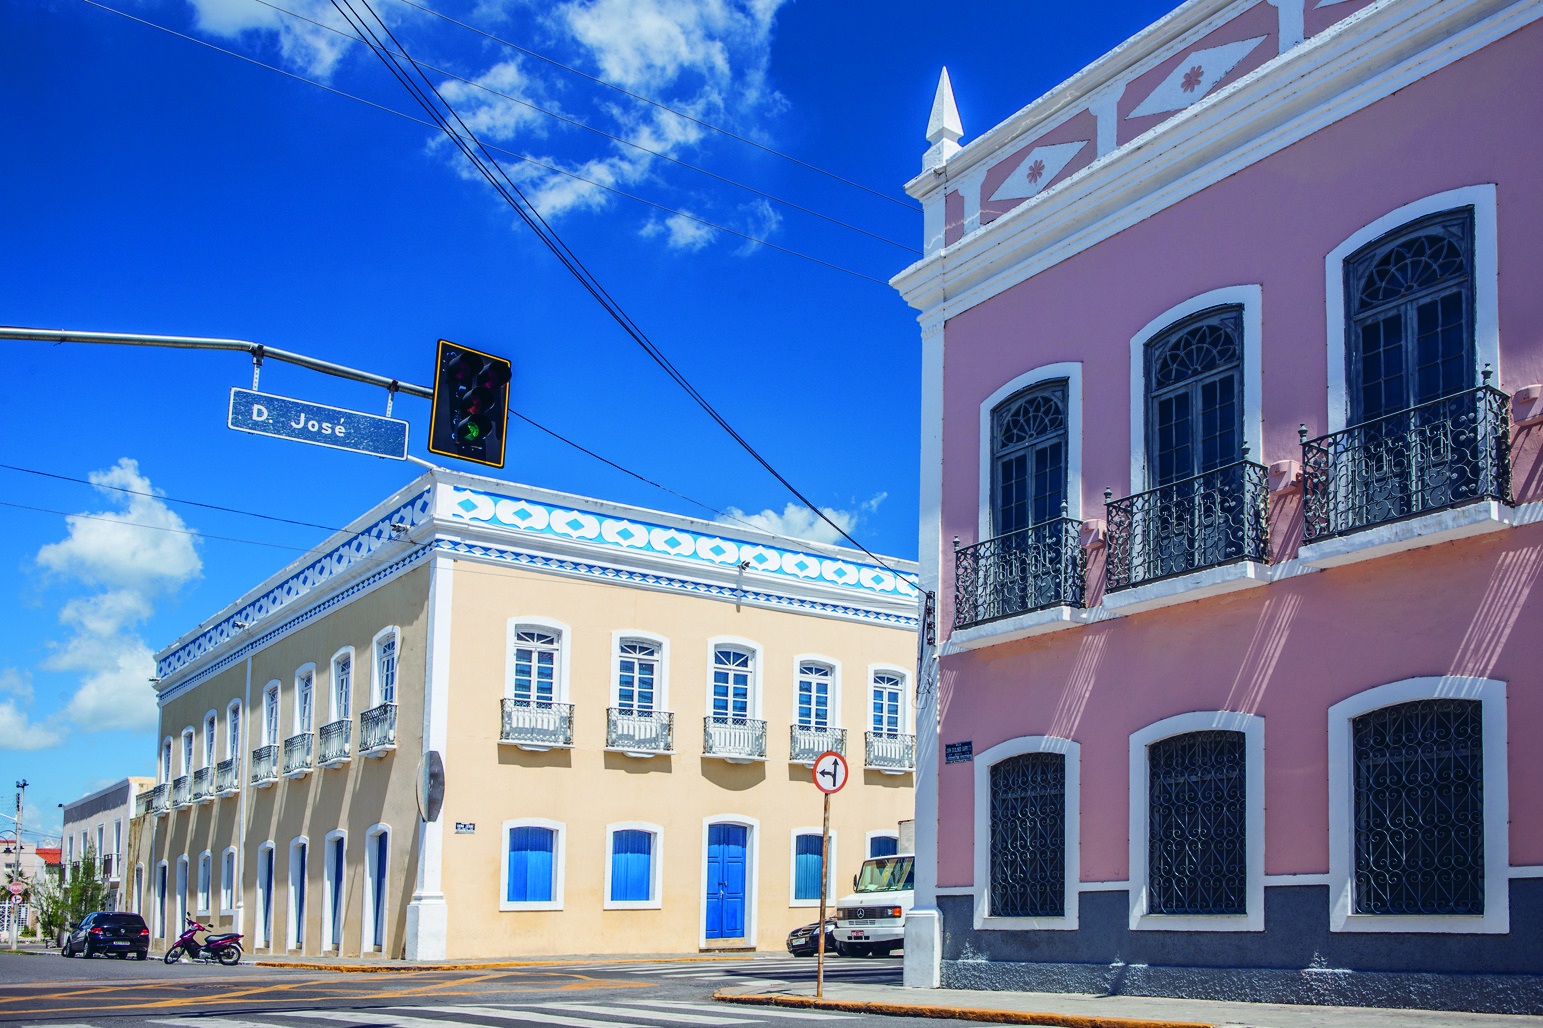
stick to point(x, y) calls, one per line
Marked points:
point(312, 49)
point(795, 522)
point(760, 219)
point(19, 732)
point(682, 233)
point(17, 682)
point(130, 565)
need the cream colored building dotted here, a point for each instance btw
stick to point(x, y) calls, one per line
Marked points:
point(620, 707)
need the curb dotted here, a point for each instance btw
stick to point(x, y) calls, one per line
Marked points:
point(962, 1013)
point(479, 965)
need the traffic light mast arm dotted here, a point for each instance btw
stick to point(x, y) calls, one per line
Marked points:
point(258, 352)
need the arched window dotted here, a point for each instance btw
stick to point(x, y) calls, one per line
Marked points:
point(1028, 458)
point(1197, 824)
point(888, 713)
point(814, 694)
point(1028, 836)
point(535, 659)
point(1419, 808)
point(733, 682)
point(1194, 396)
point(1409, 316)
point(637, 673)
point(211, 722)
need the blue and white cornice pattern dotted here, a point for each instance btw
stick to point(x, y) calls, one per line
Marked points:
point(535, 518)
point(345, 557)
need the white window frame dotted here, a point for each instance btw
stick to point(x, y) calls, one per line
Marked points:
point(183, 906)
point(294, 927)
point(830, 868)
point(1252, 727)
point(168, 746)
point(263, 926)
point(394, 633)
point(189, 750)
point(234, 716)
point(332, 933)
point(270, 732)
point(1250, 376)
point(204, 889)
point(881, 834)
point(559, 863)
point(1491, 694)
point(833, 710)
point(371, 859)
point(161, 887)
point(332, 684)
point(752, 872)
point(655, 899)
point(1072, 752)
point(757, 670)
point(230, 883)
point(211, 737)
point(300, 674)
point(1485, 276)
point(136, 904)
point(560, 666)
point(1071, 371)
point(661, 674)
point(907, 715)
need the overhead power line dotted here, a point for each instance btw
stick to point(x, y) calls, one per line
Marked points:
point(602, 132)
point(508, 153)
point(663, 107)
point(522, 206)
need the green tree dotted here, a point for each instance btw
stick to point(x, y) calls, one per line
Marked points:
point(48, 897)
point(85, 891)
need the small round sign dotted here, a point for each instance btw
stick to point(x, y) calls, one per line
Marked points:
point(17, 888)
point(830, 772)
point(16, 900)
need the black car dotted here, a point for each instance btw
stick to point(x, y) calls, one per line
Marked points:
point(109, 931)
point(803, 942)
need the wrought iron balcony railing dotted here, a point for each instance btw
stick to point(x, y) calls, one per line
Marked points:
point(334, 738)
point(1031, 569)
point(733, 738)
point(298, 750)
point(806, 742)
point(265, 765)
point(144, 803)
point(1212, 519)
point(377, 730)
point(182, 791)
point(640, 731)
point(203, 785)
point(1446, 453)
point(160, 799)
point(537, 723)
point(890, 751)
point(227, 777)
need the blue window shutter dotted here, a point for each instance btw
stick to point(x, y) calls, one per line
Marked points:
point(530, 864)
point(883, 846)
point(806, 867)
point(631, 865)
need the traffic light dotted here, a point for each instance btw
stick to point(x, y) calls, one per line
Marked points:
point(471, 404)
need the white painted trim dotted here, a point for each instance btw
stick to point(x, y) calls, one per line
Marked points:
point(211, 741)
point(752, 877)
point(1491, 693)
point(1527, 871)
point(426, 928)
point(559, 862)
point(332, 934)
point(1020, 626)
point(757, 660)
point(233, 883)
point(294, 707)
point(162, 888)
point(393, 632)
point(1103, 887)
point(830, 868)
point(189, 751)
point(270, 732)
point(907, 714)
point(262, 933)
point(1251, 298)
point(1441, 526)
point(299, 876)
point(1072, 372)
point(203, 890)
point(833, 710)
point(1072, 752)
point(367, 915)
point(163, 765)
point(332, 683)
point(655, 899)
point(661, 673)
point(880, 834)
point(1271, 881)
point(564, 650)
point(955, 890)
point(1252, 727)
point(233, 744)
point(1486, 285)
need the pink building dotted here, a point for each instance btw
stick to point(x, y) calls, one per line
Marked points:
point(1231, 502)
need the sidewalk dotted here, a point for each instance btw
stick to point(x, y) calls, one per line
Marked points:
point(1076, 1010)
point(378, 965)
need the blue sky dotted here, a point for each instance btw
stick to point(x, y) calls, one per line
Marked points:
point(155, 185)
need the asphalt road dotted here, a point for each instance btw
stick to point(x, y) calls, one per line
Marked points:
point(50, 992)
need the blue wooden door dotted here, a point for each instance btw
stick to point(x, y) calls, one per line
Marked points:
point(726, 881)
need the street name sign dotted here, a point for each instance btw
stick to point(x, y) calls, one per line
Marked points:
point(317, 423)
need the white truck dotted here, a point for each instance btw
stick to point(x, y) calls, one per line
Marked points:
point(870, 920)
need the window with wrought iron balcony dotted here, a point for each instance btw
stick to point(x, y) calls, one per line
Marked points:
point(227, 777)
point(203, 785)
point(536, 724)
point(265, 765)
point(299, 755)
point(377, 730)
point(813, 733)
point(729, 732)
point(335, 738)
point(182, 791)
point(887, 746)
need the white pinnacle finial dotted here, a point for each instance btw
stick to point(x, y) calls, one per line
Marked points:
point(944, 121)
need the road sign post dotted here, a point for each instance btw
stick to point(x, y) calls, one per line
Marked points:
point(317, 423)
point(830, 774)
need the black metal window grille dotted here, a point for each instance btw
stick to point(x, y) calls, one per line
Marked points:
point(1028, 457)
point(1197, 824)
point(1028, 836)
point(1194, 395)
point(1419, 808)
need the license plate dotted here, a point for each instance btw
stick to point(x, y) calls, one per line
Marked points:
point(121, 942)
point(858, 935)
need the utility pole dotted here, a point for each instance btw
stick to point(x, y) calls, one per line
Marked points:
point(15, 913)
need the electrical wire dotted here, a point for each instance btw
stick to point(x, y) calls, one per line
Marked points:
point(532, 217)
point(602, 132)
point(662, 107)
point(509, 153)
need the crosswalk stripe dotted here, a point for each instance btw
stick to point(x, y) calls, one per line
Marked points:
point(759, 1011)
point(500, 1014)
point(208, 1022)
point(632, 1010)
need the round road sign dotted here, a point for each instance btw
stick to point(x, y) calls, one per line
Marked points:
point(830, 772)
point(16, 900)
